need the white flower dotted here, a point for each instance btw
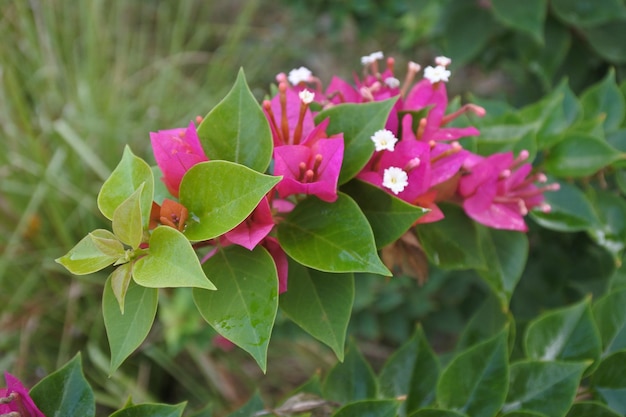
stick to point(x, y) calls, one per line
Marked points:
point(298, 75)
point(392, 82)
point(371, 58)
point(443, 61)
point(434, 75)
point(306, 96)
point(395, 179)
point(384, 140)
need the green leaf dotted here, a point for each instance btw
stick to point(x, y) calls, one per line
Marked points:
point(127, 221)
point(580, 155)
point(120, 280)
point(567, 334)
point(389, 216)
point(606, 40)
point(320, 303)
point(608, 380)
point(524, 413)
point(413, 371)
point(357, 122)
point(128, 330)
point(526, 16)
point(587, 13)
point(570, 210)
point(244, 308)
point(610, 233)
point(505, 254)
point(605, 100)
point(251, 408)
point(125, 179)
point(171, 262)
point(609, 313)
point(369, 408)
point(487, 321)
point(330, 237)
point(436, 412)
point(152, 410)
point(219, 195)
point(475, 382)
point(352, 380)
point(236, 129)
point(86, 257)
point(452, 243)
point(107, 243)
point(591, 408)
point(65, 392)
point(544, 387)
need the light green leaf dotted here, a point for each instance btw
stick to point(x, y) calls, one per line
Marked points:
point(107, 243)
point(236, 129)
point(352, 380)
point(544, 387)
point(65, 392)
point(580, 155)
point(320, 303)
point(120, 280)
point(128, 330)
point(389, 216)
point(86, 257)
point(475, 382)
point(330, 237)
point(219, 195)
point(357, 122)
point(609, 313)
point(127, 221)
point(125, 179)
point(171, 262)
point(244, 308)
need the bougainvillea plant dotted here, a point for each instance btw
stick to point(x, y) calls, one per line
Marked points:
point(291, 197)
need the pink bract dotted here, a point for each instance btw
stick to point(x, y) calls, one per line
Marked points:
point(22, 403)
point(254, 228)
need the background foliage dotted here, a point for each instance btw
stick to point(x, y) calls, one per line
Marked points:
point(80, 80)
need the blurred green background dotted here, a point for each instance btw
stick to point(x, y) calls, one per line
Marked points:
point(80, 80)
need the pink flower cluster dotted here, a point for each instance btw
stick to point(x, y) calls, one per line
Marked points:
point(15, 400)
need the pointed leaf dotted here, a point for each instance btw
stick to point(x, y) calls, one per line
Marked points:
point(352, 380)
point(487, 321)
point(120, 280)
point(565, 334)
point(357, 122)
point(609, 313)
point(152, 410)
point(475, 382)
point(244, 308)
point(435, 412)
point(236, 129)
point(127, 221)
point(452, 242)
point(171, 262)
point(524, 413)
point(219, 195)
point(570, 210)
point(369, 408)
point(527, 16)
point(585, 14)
point(330, 237)
point(413, 371)
point(580, 155)
point(591, 408)
point(107, 243)
point(253, 407)
point(609, 381)
point(125, 179)
point(389, 216)
point(544, 387)
point(127, 331)
point(505, 254)
point(86, 257)
point(65, 392)
point(320, 303)
point(605, 100)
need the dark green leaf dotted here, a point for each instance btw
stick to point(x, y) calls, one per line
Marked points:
point(605, 100)
point(251, 408)
point(570, 211)
point(350, 381)
point(544, 387)
point(389, 216)
point(610, 209)
point(524, 413)
point(609, 381)
point(591, 408)
point(486, 322)
point(152, 410)
point(527, 16)
point(357, 122)
point(609, 313)
point(236, 129)
point(128, 330)
point(369, 408)
point(452, 243)
point(320, 303)
point(219, 195)
point(435, 412)
point(65, 392)
point(475, 382)
point(587, 13)
point(580, 155)
point(243, 309)
point(606, 40)
point(330, 237)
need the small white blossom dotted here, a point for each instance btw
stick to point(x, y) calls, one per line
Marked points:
point(414, 67)
point(384, 140)
point(395, 179)
point(371, 58)
point(434, 75)
point(306, 96)
point(298, 75)
point(443, 61)
point(392, 82)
